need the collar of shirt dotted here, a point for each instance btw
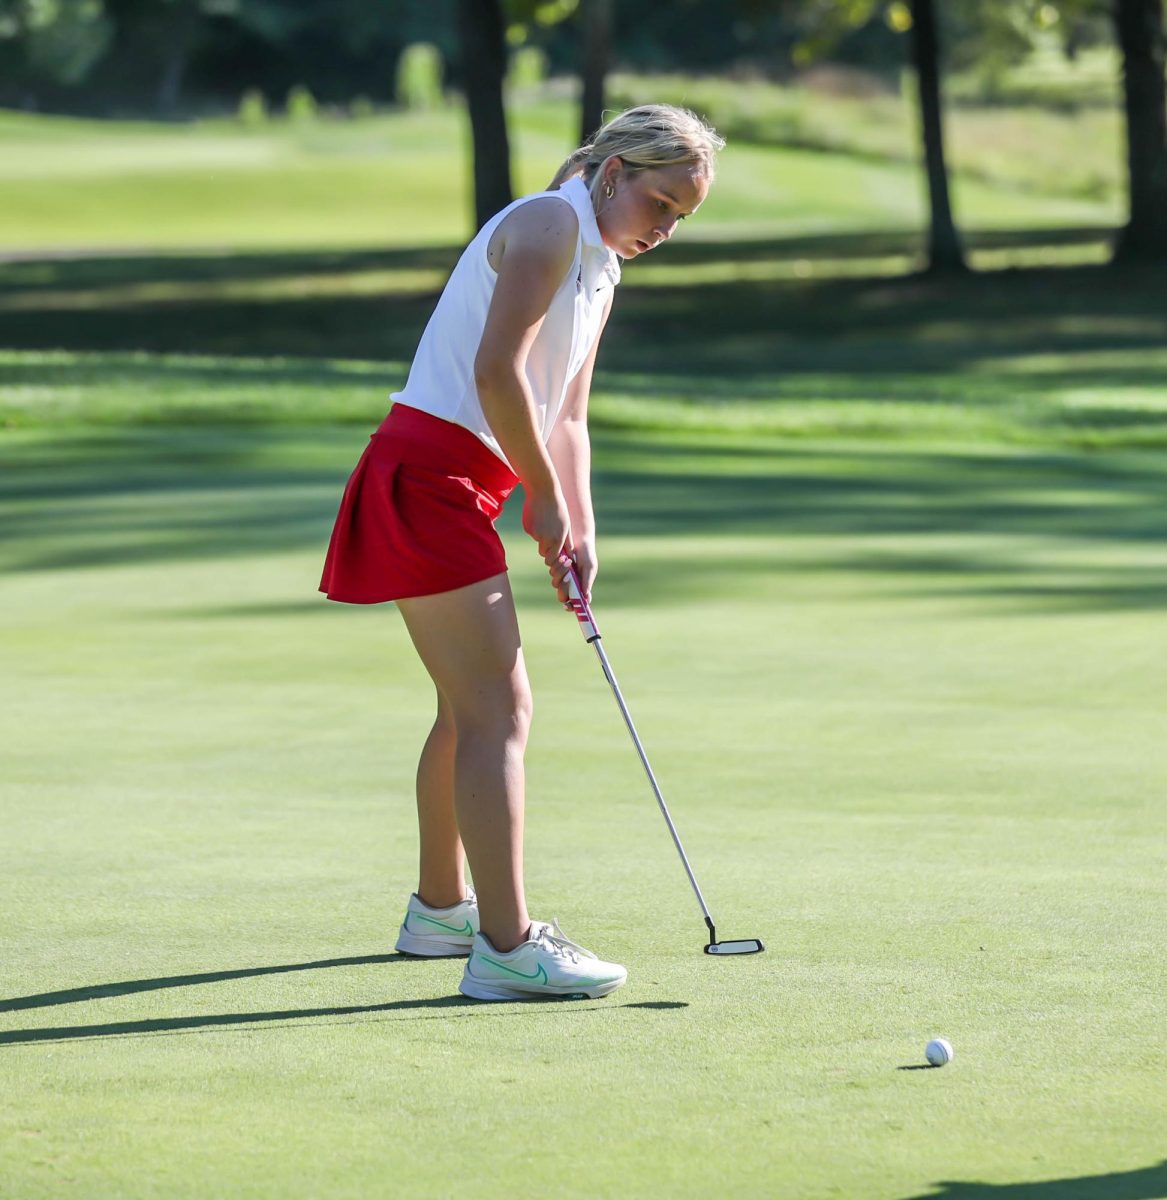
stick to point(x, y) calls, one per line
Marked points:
point(600, 265)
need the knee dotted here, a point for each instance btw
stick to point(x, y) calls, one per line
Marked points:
point(500, 715)
point(515, 711)
point(445, 728)
point(524, 710)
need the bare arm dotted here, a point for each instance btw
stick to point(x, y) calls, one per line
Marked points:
point(571, 453)
point(531, 251)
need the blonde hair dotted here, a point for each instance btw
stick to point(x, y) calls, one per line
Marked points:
point(649, 136)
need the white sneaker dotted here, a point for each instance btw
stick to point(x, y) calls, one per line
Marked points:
point(439, 932)
point(544, 966)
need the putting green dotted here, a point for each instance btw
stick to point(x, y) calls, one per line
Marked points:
point(906, 705)
point(883, 584)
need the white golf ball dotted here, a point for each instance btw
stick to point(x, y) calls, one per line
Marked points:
point(938, 1052)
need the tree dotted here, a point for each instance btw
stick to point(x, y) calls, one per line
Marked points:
point(53, 41)
point(944, 250)
point(484, 64)
point(597, 33)
point(155, 41)
point(1139, 25)
point(183, 20)
point(825, 22)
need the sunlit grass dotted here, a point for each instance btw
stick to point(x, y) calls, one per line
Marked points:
point(403, 180)
point(1026, 400)
point(882, 573)
point(1057, 149)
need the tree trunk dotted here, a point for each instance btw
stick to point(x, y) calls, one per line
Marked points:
point(170, 84)
point(597, 38)
point(484, 63)
point(179, 41)
point(1140, 36)
point(944, 249)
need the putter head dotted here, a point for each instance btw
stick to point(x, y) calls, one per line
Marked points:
point(743, 946)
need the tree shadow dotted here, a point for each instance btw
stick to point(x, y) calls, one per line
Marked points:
point(722, 325)
point(212, 482)
point(178, 495)
point(1146, 1183)
point(48, 273)
point(882, 324)
point(875, 244)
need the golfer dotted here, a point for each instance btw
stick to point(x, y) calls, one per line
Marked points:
point(497, 395)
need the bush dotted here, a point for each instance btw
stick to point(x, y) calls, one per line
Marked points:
point(528, 67)
point(300, 105)
point(419, 77)
point(361, 108)
point(252, 108)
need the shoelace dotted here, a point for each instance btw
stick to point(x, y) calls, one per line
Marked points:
point(554, 939)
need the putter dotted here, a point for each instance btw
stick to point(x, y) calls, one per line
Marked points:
point(587, 623)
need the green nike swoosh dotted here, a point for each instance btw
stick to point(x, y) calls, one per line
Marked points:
point(540, 974)
point(467, 930)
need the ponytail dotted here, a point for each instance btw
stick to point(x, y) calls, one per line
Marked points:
point(643, 138)
point(571, 165)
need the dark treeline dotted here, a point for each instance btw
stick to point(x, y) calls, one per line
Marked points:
point(185, 57)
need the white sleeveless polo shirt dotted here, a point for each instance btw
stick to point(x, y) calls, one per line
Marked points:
point(441, 379)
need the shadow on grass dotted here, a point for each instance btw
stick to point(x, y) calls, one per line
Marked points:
point(701, 327)
point(725, 325)
point(129, 987)
point(135, 369)
point(232, 480)
point(171, 1025)
point(942, 521)
point(1146, 1183)
point(48, 273)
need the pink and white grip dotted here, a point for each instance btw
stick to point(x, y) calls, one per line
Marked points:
point(578, 605)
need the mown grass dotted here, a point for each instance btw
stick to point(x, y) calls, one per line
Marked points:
point(903, 701)
point(882, 574)
point(1048, 127)
point(401, 181)
point(707, 337)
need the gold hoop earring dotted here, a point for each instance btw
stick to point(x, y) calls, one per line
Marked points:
point(609, 190)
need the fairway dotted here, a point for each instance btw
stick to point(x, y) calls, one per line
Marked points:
point(401, 182)
point(911, 733)
point(882, 579)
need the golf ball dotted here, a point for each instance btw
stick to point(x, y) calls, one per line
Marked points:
point(938, 1052)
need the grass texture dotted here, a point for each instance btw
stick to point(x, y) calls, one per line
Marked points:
point(904, 704)
point(882, 580)
point(803, 337)
point(402, 181)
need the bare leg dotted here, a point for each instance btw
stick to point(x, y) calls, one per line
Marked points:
point(468, 641)
point(441, 875)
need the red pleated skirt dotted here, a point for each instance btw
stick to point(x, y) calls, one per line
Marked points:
point(418, 513)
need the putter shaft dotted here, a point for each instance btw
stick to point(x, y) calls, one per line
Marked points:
point(588, 627)
point(611, 678)
point(577, 603)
